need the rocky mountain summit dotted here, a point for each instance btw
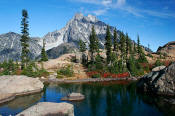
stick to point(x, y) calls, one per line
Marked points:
point(79, 27)
point(159, 81)
point(168, 49)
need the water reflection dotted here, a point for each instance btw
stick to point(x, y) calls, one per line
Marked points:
point(19, 104)
point(102, 99)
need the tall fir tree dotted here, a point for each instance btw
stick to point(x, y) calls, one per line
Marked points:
point(123, 50)
point(108, 45)
point(141, 54)
point(94, 43)
point(44, 56)
point(24, 39)
point(115, 41)
point(139, 49)
point(82, 46)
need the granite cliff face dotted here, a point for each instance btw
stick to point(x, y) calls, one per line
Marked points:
point(79, 27)
point(168, 49)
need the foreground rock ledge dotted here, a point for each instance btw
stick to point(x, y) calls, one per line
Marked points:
point(11, 86)
point(161, 82)
point(49, 109)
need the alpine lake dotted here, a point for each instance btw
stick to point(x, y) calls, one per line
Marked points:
point(117, 98)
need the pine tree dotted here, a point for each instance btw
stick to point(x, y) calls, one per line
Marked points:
point(94, 43)
point(82, 46)
point(115, 41)
point(44, 56)
point(108, 44)
point(24, 39)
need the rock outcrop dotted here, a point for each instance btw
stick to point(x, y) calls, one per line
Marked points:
point(159, 82)
point(74, 97)
point(158, 68)
point(11, 86)
point(49, 109)
point(168, 49)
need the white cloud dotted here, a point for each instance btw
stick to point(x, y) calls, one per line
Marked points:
point(121, 3)
point(100, 12)
point(123, 6)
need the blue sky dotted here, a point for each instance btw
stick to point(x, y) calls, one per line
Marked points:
point(153, 20)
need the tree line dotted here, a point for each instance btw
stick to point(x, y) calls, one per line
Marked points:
point(122, 54)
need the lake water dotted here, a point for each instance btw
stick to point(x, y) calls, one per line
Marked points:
point(102, 99)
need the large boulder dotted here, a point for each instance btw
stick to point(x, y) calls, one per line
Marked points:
point(158, 68)
point(49, 109)
point(11, 86)
point(159, 82)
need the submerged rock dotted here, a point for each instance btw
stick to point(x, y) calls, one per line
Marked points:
point(49, 109)
point(74, 97)
point(159, 82)
point(11, 86)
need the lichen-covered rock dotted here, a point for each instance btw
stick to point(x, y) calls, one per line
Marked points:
point(11, 86)
point(159, 82)
point(49, 109)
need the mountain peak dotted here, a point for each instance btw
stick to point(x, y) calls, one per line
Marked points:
point(92, 18)
point(78, 16)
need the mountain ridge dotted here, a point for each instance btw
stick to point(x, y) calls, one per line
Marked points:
point(79, 27)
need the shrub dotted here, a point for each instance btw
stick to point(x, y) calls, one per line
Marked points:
point(150, 55)
point(66, 71)
point(32, 71)
point(158, 63)
point(96, 76)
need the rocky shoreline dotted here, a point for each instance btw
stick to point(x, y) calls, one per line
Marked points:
point(58, 81)
point(159, 82)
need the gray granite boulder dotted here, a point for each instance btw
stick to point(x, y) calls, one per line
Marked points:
point(73, 97)
point(158, 68)
point(49, 109)
point(159, 82)
point(11, 86)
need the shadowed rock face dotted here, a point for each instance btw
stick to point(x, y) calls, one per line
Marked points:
point(159, 82)
point(168, 49)
point(49, 109)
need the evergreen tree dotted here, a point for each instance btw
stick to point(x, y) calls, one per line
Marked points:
point(135, 50)
point(24, 39)
point(94, 43)
point(141, 54)
point(44, 56)
point(139, 49)
point(108, 44)
point(82, 46)
point(123, 50)
point(115, 41)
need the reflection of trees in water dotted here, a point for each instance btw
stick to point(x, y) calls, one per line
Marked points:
point(110, 100)
point(24, 101)
point(114, 99)
point(120, 99)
